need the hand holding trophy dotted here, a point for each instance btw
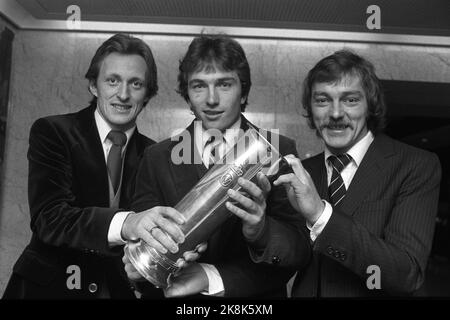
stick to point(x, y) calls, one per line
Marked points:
point(204, 207)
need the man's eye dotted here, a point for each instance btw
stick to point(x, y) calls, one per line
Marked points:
point(138, 84)
point(225, 85)
point(198, 86)
point(321, 101)
point(352, 100)
point(112, 81)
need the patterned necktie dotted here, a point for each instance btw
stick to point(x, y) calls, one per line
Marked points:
point(336, 189)
point(211, 151)
point(114, 161)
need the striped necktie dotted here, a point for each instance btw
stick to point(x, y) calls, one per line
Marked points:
point(336, 189)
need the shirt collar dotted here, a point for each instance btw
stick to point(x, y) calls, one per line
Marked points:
point(358, 151)
point(104, 128)
point(231, 135)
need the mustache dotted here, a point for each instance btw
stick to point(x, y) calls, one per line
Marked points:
point(336, 124)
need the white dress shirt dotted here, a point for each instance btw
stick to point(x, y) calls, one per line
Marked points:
point(115, 227)
point(230, 136)
point(357, 152)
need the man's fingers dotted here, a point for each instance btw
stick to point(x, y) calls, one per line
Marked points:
point(190, 256)
point(125, 259)
point(152, 242)
point(263, 182)
point(200, 248)
point(162, 238)
point(171, 213)
point(297, 167)
point(240, 213)
point(244, 201)
point(170, 228)
point(285, 179)
point(132, 273)
point(253, 190)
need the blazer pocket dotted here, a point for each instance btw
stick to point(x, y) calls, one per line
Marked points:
point(35, 268)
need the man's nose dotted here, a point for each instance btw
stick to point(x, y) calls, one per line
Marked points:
point(337, 110)
point(123, 92)
point(213, 98)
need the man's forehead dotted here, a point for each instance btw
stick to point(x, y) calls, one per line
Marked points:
point(212, 73)
point(116, 60)
point(350, 81)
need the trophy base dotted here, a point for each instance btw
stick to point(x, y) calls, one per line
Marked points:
point(150, 264)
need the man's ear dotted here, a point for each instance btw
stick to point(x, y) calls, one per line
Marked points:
point(93, 88)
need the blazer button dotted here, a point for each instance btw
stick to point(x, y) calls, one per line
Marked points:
point(337, 254)
point(330, 250)
point(276, 260)
point(343, 256)
point(93, 287)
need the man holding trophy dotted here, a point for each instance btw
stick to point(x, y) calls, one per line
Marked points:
point(255, 251)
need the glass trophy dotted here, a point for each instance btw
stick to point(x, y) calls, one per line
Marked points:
point(204, 206)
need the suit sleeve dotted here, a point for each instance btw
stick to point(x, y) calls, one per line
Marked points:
point(55, 217)
point(401, 252)
point(241, 276)
point(275, 256)
point(283, 241)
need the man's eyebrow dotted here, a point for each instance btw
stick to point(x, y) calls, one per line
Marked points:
point(352, 92)
point(115, 75)
point(320, 93)
point(346, 93)
point(195, 81)
point(136, 78)
point(227, 79)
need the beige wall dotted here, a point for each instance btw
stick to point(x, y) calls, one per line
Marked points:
point(47, 78)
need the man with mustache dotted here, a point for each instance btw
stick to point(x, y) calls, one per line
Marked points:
point(369, 201)
point(252, 254)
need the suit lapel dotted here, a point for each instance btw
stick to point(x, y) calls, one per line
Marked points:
point(368, 173)
point(318, 173)
point(89, 151)
point(186, 174)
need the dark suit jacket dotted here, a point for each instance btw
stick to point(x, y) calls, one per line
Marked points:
point(70, 215)
point(386, 219)
point(162, 183)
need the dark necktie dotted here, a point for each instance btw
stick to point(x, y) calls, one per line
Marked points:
point(114, 162)
point(211, 151)
point(336, 189)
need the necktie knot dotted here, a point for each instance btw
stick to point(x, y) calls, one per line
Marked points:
point(210, 151)
point(117, 138)
point(340, 161)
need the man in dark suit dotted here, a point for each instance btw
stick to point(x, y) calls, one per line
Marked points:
point(250, 254)
point(82, 168)
point(369, 201)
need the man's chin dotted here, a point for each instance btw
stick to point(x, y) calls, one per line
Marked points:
point(337, 143)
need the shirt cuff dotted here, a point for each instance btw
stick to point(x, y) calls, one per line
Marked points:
point(215, 283)
point(316, 229)
point(115, 228)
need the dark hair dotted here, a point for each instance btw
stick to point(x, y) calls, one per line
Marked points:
point(338, 65)
point(210, 51)
point(125, 44)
